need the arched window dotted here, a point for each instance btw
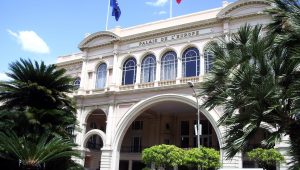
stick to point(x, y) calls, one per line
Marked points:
point(148, 69)
point(101, 76)
point(191, 62)
point(129, 71)
point(76, 83)
point(208, 61)
point(169, 66)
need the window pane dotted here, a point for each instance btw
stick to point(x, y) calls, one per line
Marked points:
point(129, 71)
point(148, 69)
point(208, 61)
point(169, 66)
point(101, 76)
point(191, 62)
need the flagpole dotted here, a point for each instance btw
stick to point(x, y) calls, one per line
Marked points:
point(107, 15)
point(171, 8)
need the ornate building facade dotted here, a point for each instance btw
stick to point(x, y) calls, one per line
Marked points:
point(132, 86)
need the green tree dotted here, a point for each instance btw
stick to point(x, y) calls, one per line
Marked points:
point(256, 84)
point(35, 97)
point(202, 157)
point(286, 26)
point(266, 158)
point(163, 155)
point(35, 155)
point(34, 102)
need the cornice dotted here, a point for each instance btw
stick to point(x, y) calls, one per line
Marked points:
point(222, 14)
point(69, 63)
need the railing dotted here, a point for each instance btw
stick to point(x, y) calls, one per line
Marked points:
point(94, 146)
point(163, 83)
point(146, 85)
point(127, 87)
point(166, 82)
point(192, 79)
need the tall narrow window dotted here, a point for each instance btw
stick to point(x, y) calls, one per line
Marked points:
point(101, 76)
point(129, 71)
point(76, 83)
point(191, 62)
point(148, 69)
point(169, 66)
point(208, 61)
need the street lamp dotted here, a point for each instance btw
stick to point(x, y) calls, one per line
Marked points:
point(199, 130)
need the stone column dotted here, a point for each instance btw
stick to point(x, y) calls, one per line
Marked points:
point(202, 63)
point(115, 73)
point(106, 159)
point(138, 76)
point(179, 70)
point(83, 76)
point(283, 148)
point(158, 73)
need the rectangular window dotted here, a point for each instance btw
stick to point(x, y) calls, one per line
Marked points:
point(184, 128)
point(185, 142)
point(137, 125)
point(136, 145)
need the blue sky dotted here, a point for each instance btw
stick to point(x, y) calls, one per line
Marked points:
point(46, 29)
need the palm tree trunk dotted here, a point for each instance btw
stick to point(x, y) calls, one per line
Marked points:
point(294, 133)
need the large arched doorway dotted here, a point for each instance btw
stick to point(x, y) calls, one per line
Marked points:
point(170, 120)
point(93, 140)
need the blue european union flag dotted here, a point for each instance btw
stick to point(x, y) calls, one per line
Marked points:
point(116, 11)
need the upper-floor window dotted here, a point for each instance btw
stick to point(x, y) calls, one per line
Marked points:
point(101, 76)
point(137, 125)
point(93, 125)
point(208, 61)
point(169, 66)
point(148, 69)
point(191, 62)
point(76, 83)
point(129, 71)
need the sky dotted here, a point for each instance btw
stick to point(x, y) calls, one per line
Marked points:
point(42, 30)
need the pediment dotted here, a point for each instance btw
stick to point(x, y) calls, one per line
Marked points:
point(98, 39)
point(243, 8)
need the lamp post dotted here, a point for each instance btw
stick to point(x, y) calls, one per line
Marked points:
point(199, 131)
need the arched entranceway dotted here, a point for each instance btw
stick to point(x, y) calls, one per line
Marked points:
point(162, 119)
point(93, 139)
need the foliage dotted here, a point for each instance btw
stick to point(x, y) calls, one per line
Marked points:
point(286, 26)
point(244, 80)
point(34, 97)
point(202, 157)
point(34, 85)
point(35, 102)
point(35, 154)
point(265, 157)
point(163, 155)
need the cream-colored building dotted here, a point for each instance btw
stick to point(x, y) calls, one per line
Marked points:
point(132, 86)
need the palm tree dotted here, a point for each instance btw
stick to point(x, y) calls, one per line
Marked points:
point(36, 85)
point(256, 84)
point(35, 155)
point(286, 26)
point(36, 96)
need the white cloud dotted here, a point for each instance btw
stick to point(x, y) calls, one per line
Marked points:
point(30, 41)
point(157, 3)
point(162, 12)
point(3, 77)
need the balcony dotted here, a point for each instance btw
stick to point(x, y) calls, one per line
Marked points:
point(156, 84)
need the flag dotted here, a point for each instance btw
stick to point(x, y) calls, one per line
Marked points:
point(116, 11)
point(178, 1)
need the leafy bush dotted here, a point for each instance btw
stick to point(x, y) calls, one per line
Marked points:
point(202, 157)
point(266, 158)
point(163, 155)
point(170, 155)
